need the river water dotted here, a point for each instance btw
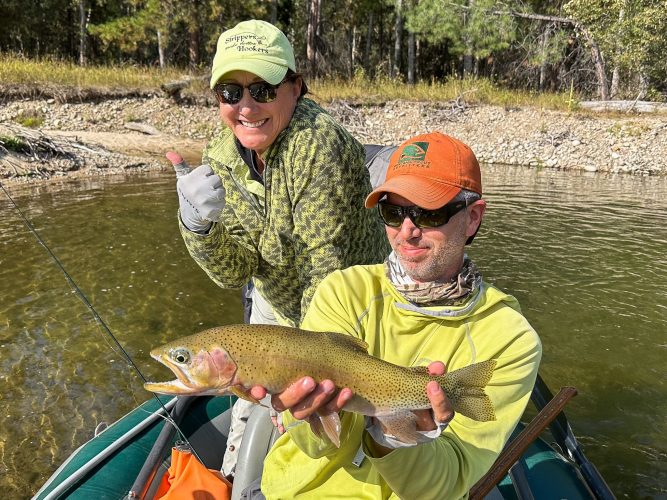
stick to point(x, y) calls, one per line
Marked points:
point(584, 254)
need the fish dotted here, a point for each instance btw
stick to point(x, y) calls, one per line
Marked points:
point(231, 359)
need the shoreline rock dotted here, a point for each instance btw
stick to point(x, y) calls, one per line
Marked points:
point(614, 143)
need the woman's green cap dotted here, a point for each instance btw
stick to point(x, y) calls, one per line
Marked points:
point(254, 46)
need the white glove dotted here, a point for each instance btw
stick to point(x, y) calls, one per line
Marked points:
point(201, 198)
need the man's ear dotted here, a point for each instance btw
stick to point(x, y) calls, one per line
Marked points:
point(475, 215)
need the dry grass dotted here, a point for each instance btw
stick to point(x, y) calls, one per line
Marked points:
point(50, 72)
point(480, 91)
point(20, 71)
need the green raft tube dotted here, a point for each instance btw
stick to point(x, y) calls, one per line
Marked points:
point(127, 459)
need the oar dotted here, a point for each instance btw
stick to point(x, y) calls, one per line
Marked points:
point(517, 446)
point(562, 434)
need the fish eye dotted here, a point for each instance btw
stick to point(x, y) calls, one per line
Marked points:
point(181, 356)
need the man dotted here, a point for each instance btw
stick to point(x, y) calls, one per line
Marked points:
point(425, 305)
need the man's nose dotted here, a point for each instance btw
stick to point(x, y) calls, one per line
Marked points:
point(408, 229)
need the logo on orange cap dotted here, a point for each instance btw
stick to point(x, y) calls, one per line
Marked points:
point(430, 170)
point(414, 152)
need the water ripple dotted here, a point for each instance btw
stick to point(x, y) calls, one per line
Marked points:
point(583, 253)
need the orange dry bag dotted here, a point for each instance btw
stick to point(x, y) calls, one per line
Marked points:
point(188, 478)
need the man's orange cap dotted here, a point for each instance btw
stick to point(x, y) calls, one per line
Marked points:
point(430, 170)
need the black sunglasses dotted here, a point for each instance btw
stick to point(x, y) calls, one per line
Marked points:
point(262, 92)
point(394, 215)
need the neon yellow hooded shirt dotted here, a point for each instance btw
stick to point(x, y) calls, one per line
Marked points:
point(361, 301)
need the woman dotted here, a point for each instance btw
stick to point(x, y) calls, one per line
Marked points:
point(280, 199)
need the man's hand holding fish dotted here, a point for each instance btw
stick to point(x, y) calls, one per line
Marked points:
point(306, 398)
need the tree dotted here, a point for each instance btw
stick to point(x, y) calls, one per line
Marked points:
point(311, 35)
point(83, 31)
point(181, 32)
point(398, 40)
point(136, 32)
point(631, 37)
point(412, 49)
point(465, 26)
point(40, 27)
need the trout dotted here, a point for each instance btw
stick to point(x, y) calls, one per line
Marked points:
point(231, 359)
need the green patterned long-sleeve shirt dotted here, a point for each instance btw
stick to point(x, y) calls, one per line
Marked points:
point(305, 222)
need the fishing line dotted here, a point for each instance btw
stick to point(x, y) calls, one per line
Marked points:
point(97, 317)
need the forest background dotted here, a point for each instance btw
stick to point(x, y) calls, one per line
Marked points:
point(604, 49)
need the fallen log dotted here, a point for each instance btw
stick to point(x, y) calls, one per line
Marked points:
point(173, 89)
point(144, 128)
point(625, 106)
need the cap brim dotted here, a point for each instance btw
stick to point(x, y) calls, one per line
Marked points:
point(268, 71)
point(425, 193)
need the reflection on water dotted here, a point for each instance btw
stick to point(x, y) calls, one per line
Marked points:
point(61, 375)
point(583, 253)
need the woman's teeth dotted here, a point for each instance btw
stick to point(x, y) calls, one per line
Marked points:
point(253, 124)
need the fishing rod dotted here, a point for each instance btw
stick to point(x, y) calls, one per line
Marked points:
point(97, 317)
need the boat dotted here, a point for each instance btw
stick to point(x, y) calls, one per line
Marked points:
point(128, 458)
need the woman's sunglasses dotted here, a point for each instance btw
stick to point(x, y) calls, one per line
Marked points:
point(232, 93)
point(394, 215)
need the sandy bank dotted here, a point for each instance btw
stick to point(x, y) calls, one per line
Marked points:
point(134, 133)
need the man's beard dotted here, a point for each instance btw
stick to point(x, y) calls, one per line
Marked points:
point(441, 264)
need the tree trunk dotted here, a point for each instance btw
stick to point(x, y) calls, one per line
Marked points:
point(598, 63)
point(311, 35)
point(351, 45)
point(381, 40)
point(544, 43)
point(643, 85)
point(274, 11)
point(160, 49)
point(194, 33)
point(82, 32)
point(615, 81)
point(398, 40)
point(467, 63)
point(193, 47)
point(411, 58)
point(616, 73)
point(369, 44)
point(469, 49)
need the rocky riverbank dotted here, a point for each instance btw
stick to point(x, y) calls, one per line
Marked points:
point(116, 134)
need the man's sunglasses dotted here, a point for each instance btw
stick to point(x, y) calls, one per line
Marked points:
point(262, 92)
point(394, 215)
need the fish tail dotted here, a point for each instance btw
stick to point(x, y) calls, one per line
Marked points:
point(465, 389)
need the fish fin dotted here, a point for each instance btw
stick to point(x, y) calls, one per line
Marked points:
point(316, 426)
point(402, 425)
point(476, 405)
point(243, 395)
point(349, 340)
point(326, 425)
point(465, 389)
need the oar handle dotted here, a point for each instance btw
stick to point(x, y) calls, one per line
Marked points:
point(517, 446)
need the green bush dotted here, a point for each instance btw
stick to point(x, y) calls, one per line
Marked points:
point(31, 118)
point(12, 143)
